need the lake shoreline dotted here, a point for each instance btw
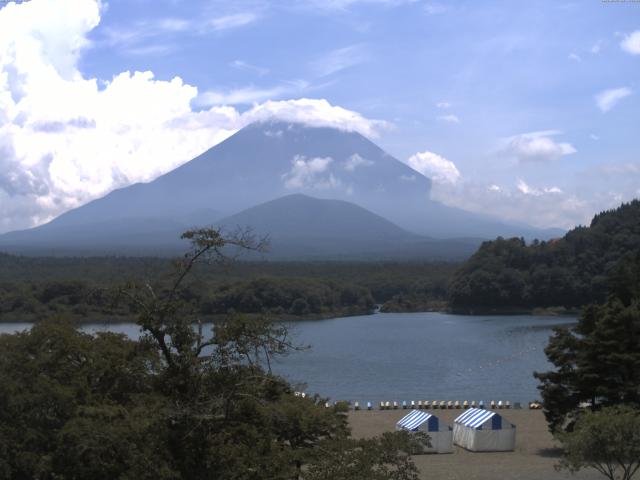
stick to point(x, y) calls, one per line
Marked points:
point(287, 318)
point(411, 356)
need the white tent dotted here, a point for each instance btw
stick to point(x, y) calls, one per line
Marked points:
point(440, 435)
point(481, 430)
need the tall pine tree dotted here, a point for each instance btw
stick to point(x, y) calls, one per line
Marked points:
point(597, 361)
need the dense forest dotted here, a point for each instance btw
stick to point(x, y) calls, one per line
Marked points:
point(32, 288)
point(179, 403)
point(508, 274)
point(504, 275)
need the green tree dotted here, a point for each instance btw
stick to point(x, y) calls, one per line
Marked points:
point(507, 274)
point(180, 403)
point(383, 458)
point(597, 361)
point(70, 400)
point(607, 441)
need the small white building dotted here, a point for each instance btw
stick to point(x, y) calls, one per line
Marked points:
point(420, 421)
point(480, 430)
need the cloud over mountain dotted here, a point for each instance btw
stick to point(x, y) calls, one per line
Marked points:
point(435, 167)
point(67, 139)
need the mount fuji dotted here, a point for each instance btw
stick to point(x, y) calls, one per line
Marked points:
point(261, 163)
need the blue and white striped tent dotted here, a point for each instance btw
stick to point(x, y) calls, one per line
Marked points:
point(440, 436)
point(482, 430)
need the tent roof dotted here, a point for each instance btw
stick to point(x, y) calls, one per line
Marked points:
point(413, 420)
point(474, 417)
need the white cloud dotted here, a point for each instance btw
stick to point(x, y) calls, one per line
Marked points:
point(435, 167)
point(153, 37)
point(147, 50)
point(316, 113)
point(608, 99)
point(356, 161)
point(596, 47)
point(449, 118)
point(66, 139)
point(235, 20)
point(600, 187)
point(443, 105)
point(537, 146)
point(310, 173)
point(540, 207)
point(340, 59)
point(242, 65)
point(631, 43)
point(525, 189)
point(574, 57)
point(250, 95)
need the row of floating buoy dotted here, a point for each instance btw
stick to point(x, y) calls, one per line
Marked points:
point(435, 404)
point(440, 404)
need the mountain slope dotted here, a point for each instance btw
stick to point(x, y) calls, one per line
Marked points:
point(261, 162)
point(570, 272)
point(303, 227)
point(301, 216)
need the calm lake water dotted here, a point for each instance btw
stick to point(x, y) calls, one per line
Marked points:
point(412, 356)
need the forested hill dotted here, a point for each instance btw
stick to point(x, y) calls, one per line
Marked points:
point(507, 274)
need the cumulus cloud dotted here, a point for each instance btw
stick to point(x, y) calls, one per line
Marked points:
point(608, 99)
point(316, 113)
point(435, 167)
point(66, 139)
point(310, 173)
point(537, 146)
point(355, 161)
point(525, 189)
point(631, 43)
point(575, 57)
point(540, 206)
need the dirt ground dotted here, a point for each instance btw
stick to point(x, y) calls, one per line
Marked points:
point(533, 459)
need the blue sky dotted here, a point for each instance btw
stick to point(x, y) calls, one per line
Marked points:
point(528, 110)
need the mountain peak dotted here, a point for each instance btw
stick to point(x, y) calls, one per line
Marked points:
point(268, 160)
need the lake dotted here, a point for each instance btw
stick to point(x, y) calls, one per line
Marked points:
point(412, 356)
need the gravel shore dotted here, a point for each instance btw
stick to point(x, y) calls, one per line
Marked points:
point(534, 458)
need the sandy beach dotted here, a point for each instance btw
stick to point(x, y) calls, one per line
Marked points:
point(534, 458)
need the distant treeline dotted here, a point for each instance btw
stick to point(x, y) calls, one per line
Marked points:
point(289, 296)
point(86, 288)
point(503, 276)
point(569, 272)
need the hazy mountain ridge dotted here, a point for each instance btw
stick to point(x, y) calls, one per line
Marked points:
point(302, 227)
point(260, 163)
